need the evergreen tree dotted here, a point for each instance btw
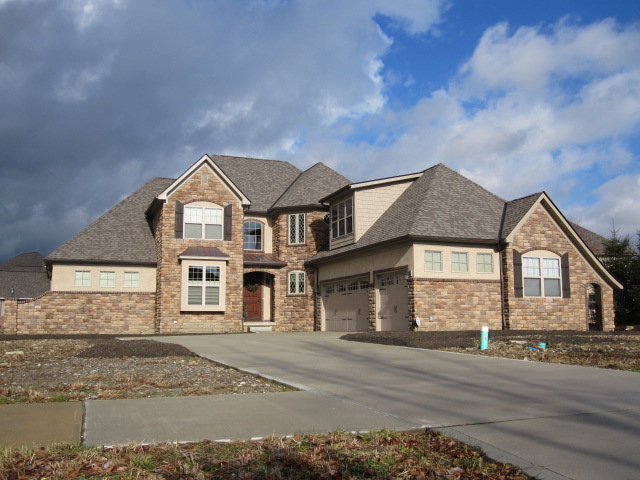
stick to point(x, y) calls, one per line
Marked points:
point(623, 261)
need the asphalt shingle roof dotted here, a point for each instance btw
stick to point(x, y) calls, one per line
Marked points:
point(310, 186)
point(440, 205)
point(26, 273)
point(262, 181)
point(594, 241)
point(122, 235)
point(515, 210)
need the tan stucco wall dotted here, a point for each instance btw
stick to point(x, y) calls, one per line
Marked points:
point(446, 249)
point(370, 203)
point(63, 278)
point(367, 262)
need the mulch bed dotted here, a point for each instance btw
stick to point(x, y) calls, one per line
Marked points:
point(113, 348)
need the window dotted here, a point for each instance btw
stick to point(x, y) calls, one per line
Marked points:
point(203, 285)
point(296, 228)
point(342, 287)
point(342, 218)
point(107, 279)
point(296, 282)
point(203, 222)
point(330, 289)
point(432, 261)
point(484, 263)
point(541, 277)
point(131, 279)
point(364, 284)
point(352, 286)
point(459, 262)
point(82, 278)
point(252, 235)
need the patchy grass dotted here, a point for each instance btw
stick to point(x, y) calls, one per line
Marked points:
point(379, 455)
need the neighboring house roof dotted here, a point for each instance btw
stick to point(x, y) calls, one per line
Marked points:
point(310, 187)
point(122, 235)
point(262, 181)
point(26, 273)
point(440, 205)
point(595, 242)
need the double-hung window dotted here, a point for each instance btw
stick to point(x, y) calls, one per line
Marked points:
point(82, 278)
point(296, 282)
point(203, 285)
point(107, 279)
point(432, 261)
point(252, 235)
point(459, 262)
point(342, 218)
point(541, 277)
point(296, 228)
point(203, 222)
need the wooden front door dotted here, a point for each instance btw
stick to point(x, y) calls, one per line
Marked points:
point(253, 297)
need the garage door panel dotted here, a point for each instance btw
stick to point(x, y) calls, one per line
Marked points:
point(393, 302)
point(346, 306)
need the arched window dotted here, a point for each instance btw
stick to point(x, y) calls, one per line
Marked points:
point(252, 235)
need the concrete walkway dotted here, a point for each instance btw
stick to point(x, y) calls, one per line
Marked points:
point(555, 421)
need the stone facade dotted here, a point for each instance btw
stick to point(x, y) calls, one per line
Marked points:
point(456, 304)
point(81, 312)
point(170, 317)
point(541, 232)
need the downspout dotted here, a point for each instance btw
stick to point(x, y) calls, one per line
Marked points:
point(316, 303)
point(502, 296)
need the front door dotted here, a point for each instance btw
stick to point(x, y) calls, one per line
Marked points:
point(253, 296)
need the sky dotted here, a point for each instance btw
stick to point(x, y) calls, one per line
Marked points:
point(99, 96)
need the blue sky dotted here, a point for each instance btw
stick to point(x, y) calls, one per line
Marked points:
point(98, 96)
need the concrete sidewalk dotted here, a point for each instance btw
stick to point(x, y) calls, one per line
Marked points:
point(37, 424)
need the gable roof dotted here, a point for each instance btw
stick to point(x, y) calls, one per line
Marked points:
point(122, 235)
point(441, 205)
point(262, 181)
point(310, 187)
point(26, 273)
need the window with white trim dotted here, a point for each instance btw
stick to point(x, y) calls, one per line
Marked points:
point(541, 277)
point(342, 218)
point(203, 285)
point(296, 282)
point(296, 228)
point(107, 279)
point(82, 278)
point(459, 262)
point(252, 235)
point(131, 280)
point(484, 263)
point(432, 261)
point(203, 222)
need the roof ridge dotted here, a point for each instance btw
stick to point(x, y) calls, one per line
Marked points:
point(252, 158)
point(527, 196)
point(472, 181)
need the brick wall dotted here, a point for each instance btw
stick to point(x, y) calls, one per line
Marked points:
point(297, 312)
point(170, 318)
point(81, 313)
point(540, 232)
point(456, 304)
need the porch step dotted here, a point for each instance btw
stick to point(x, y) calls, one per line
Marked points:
point(254, 327)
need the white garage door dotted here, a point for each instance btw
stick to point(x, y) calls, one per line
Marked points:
point(346, 306)
point(393, 301)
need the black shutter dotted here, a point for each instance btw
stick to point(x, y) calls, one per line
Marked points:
point(566, 281)
point(179, 220)
point(517, 274)
point(228, 222)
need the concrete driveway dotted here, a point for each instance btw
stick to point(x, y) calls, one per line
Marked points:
point(556, 421)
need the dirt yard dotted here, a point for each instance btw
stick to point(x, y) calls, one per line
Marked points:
point(58, 370)
point(616, 350)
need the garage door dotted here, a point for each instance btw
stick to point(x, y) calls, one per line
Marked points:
point(346, 306)
point(393, 301)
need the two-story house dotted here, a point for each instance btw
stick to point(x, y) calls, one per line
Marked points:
point(238, 244)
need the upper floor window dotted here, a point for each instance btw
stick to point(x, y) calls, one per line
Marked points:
point(297, 228)
point(252, 235)
point(131, 279)
point(541, 277)
point(432, 261)
point(459, 262)
point(342, 218)
point(82, 278)
point(484, 263)
point(203, 222)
